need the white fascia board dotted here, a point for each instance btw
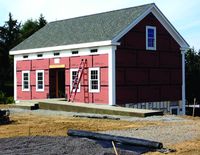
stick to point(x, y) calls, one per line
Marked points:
point(162, 19)
point(64, 47)
point(130, 26)
point(169, 27)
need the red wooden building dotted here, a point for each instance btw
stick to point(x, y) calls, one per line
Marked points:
point(135, 58)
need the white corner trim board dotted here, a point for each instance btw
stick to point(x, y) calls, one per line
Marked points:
point(15, 78)
point(111, 76)
point(183, 51)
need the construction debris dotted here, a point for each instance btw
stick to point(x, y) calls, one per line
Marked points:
point(97, 117)
point(117, 139)
point(4, 116)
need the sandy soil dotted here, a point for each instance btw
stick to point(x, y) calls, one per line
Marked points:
point(34, 124)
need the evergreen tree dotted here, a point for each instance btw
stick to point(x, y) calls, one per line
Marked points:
point(192, 75)
point(41, 21)
point(9, 35)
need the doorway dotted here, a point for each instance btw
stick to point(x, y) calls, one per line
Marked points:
point(57, 83)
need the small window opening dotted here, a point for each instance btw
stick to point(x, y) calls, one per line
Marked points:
point(39, 55)
point(74, 52)
point(56, 54)
point(93, 51)
point(25, 56)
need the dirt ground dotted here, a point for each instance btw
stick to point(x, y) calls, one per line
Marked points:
point(41, 125)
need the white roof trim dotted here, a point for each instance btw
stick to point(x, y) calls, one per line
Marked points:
point(162, 19)
point(129, 27)
point(169, 27)
point(64, 47)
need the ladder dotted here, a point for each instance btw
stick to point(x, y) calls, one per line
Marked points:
point(85, 84)
point(77, 80)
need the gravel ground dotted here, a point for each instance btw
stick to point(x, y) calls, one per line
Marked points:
point(165, 118)
point(175, 129)
point(168, 135)
point(61, 145)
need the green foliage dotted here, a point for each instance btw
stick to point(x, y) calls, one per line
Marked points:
point(42, 21)
point(9, 100)
point(11, 34)
point(192, 75)
point(31, 26)
point(2, 97)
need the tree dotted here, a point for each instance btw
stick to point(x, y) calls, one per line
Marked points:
point(42, 21)
point(28, 28)
point(192, 75)
point(31, 26)
point(9, 35)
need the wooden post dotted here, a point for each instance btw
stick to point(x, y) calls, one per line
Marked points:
point(193, 112)
point(113, 144)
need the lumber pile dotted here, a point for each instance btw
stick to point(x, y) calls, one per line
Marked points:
point(4, 116)
point(117, 139)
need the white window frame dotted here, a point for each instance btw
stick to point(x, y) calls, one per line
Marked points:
point(147, 47)
point(79, 86)
point(90, 85)
point(39, 71)
point(25, 89)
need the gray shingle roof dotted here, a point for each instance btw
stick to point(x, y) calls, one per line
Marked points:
point(91, 28)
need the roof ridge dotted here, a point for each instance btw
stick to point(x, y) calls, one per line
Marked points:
point(101, 13)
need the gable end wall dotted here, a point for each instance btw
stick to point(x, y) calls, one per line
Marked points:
point(148, 76)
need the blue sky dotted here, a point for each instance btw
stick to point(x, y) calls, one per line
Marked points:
point(183, 14)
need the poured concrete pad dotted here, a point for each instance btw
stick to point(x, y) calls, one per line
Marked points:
point(52, 104)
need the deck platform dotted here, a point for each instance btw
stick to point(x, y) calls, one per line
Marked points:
point(61, 105)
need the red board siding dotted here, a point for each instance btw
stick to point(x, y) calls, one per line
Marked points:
point(126, 93)
point(100, 61)
point(40, 64)
point(104, 76)
point(75, 61)
point(23, 65)
point(19, 78)
point(40, 95)
point(148, 76)
point(136, 76)
point(23, 95)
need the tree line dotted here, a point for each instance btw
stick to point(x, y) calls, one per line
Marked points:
point(11, 34)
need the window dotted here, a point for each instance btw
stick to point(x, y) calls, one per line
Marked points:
point(93, 51)
point(39, 80)
point(25, 80)
point(56, 54)
point(94, 80)
point(25, 56)
point(74, 52)
point(150, 38)
point(73, 76)
point(39, 55)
